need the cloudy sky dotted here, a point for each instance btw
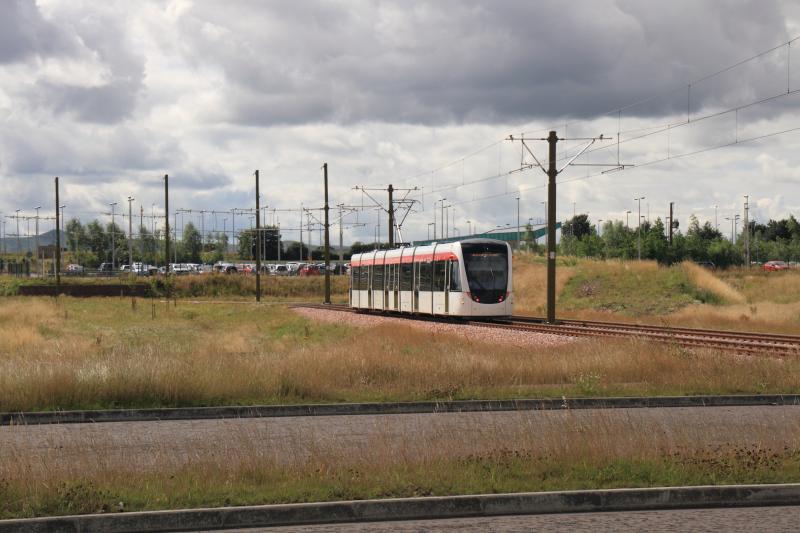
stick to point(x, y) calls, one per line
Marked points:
point(112, 95)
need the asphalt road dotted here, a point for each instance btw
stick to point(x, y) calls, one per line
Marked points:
point(156, 445)
point(755, 519)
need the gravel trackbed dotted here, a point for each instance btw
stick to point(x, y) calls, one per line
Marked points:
point(469, 332)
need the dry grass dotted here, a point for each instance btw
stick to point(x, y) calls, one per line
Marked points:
point(644, 292)
point(104, 353)
point(549, 451)
point(759, 286)
point(530, 285)
point(706, 280)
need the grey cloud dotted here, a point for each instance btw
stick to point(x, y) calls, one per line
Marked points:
point(99, 38)
point(442, 62)
point(24, 33)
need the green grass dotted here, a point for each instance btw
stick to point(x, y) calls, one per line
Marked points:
point(631, 289)
point(496, 472)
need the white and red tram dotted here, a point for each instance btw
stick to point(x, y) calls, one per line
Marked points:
point(464, 278)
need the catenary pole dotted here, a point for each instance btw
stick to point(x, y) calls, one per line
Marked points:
point(58, 243)
point(166, 223)
point(328, 237)
point(552, 172)
point(391, 216)
point(258, 242)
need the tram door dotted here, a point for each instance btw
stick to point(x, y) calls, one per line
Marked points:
point(395, 285)
point(416, 286)
point(447, 287)
point(369, 286)
point(387, 269)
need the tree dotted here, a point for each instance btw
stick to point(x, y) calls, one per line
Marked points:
point(120, 246)
point(75, 235)
point(97, 239)
point(245, 244)
point(293, 251)
point(191, 244)
point(577, 226)
point(146, 246)
point(654, 242)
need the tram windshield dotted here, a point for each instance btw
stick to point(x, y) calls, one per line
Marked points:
point(486, 265)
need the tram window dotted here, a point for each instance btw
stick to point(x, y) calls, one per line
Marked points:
point(438, 275)
point(355, 277)
point(377, 278)
point(392, 281)
point(405, 276)
point(364, 278)
point(425, 275)
point(455, 277)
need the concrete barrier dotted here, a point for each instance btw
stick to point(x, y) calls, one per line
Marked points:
point(341, 409)
point(417, 509)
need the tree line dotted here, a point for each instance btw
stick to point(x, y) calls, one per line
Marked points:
point(95, 243)
point(775, 240)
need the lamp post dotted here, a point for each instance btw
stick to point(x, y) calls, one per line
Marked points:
point(113, 249)
point(733, 220)
point(469, 225)
point(36, 229)
point(599, 226)
point(627, 215)
point(639, 229)
point(130, 233)
point(62, 218)
point(19, 245)
point(429, 229)
point(441, 229)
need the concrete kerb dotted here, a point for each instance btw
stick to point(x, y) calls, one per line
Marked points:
point(271, 411)
point(418, 509)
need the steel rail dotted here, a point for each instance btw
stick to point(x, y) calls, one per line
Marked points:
point(735, 341)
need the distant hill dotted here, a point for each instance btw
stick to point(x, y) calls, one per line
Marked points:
point(11, 245)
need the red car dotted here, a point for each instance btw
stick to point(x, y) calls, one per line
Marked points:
point(771, 266)
point(310, 270)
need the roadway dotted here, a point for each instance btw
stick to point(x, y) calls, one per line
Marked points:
point(761, 519)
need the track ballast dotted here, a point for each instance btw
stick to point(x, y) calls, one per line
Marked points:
point(733, 341)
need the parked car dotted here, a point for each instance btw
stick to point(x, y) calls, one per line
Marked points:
point(280, 270)
point(75, 269)
point(225, 268)
point(310, 270)
point(772, 266)
point(106, 267)
point(707, 264)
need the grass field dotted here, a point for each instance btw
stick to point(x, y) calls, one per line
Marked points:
point(680, 295)
point(111, 352)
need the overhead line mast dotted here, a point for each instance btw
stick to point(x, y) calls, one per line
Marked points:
point(552, 172)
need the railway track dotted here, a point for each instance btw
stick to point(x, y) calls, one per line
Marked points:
point(733, 341)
